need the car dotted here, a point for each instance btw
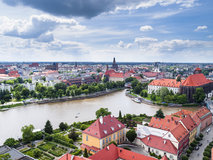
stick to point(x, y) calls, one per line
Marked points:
point(208, 130)
point(200, 144)
point(197, 148)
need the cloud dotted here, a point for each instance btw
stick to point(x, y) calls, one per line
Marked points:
point(146, 28)
point(38, 26)
point(91, 8)
point(200, 28)
point(121, 44)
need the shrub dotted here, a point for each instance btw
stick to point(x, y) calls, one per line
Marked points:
point(205, 158)
point(37, 153)
point(207, 154)
point(184, 157)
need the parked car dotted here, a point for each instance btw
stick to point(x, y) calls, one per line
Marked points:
point(208, 130)
point(197, 148)
point(200, 144)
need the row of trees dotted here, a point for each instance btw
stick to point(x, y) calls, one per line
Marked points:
point(61, 89)
point(18, 80)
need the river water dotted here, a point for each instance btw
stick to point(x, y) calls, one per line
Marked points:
point(12, 120)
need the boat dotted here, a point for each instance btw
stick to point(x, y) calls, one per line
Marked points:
point(137, 100)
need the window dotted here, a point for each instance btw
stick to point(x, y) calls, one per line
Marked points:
point(120, 133)
point(114, 136)
point(109, 139)
point(103, 141)
point(123, 132)
point(86, 138)
point(171, 156)
point(106, 140)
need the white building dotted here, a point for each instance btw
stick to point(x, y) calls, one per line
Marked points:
point(171, 84)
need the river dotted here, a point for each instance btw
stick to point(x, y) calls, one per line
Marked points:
point(12, 120)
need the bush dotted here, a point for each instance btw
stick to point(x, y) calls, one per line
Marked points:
point(38, 135)
point(37, 153)
point(188, 151)
point(184, 157)
point(205, 158)
point(48, 138)
point(77, 152)
point(207, 154)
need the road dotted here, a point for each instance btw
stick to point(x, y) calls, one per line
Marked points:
point(207, 138)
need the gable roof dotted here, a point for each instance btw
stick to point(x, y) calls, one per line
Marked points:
point(113, 152)
point(104, 126)
point(172, 124)
point(159, 143)
point(189, 123)
point(196, 80)
point(166, 83)
point(202, 112)
point(117, 75)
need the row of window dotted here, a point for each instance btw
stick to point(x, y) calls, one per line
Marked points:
point(114, 137)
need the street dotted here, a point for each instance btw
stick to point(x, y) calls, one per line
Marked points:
point(207, 138)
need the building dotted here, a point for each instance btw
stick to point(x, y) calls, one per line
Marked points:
point(102, 132)
point(14, 154)
point(112, 152)
point(114, 64)
point(197, 80)
point(54, 66)
point(171, 84)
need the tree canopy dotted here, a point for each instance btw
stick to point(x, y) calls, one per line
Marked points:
point(199, 95)
point(102, 112)
point(131, 135)
point(159, 114)
point(48, 127)
point(27, 133)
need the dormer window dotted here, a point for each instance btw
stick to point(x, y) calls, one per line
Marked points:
point(105, 131)
point(112, 128)
point(119, 125)
point(88, 129)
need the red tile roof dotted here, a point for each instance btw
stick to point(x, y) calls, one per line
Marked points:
point(189, 123)
point(197, 69)
point(182, 113)
point(68, 157)
point(117, 75)
point(203, 111)
point(159, 143)
point(108, 126)
point(113, 153)
point(166, 83)
point(196, 80)
point(150, 74)
point(109, 72)
point(170, 123)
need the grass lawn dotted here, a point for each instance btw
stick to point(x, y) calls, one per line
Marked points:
point(47, 146)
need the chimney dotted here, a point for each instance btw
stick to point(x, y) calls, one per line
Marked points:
point(72, 157)
point(107, 148)
point(101, 119)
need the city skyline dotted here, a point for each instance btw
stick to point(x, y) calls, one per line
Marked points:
point(131, 31)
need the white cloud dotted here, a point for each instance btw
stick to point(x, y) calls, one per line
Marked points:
point(200, 28)
point(210, 36)
point(146, 28)
point(38, 26)
point(158, 15)
point(121, 44)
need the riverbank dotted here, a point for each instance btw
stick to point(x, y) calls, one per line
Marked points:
point(62, 99)
point(149, 102)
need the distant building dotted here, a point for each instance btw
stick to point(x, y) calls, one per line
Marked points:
point(34, 65)
point(54, 66)
point(114, 64)
point(102, 132)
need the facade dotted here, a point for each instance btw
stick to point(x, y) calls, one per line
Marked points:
point(103, 131)
point(171, 84)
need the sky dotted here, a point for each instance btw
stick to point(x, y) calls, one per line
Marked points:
point(98, 30)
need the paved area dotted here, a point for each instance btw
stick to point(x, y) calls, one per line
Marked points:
point(137, 149)
point(208, 137)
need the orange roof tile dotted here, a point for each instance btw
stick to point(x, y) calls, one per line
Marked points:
point(166, 83)
point(196, 80)
point(68, 157)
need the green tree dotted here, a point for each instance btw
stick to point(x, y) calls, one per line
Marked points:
point(25, 93)
point(120, 115)
point(5, 156)
point(153, 97)
point(178, 79)
point(63, 126)
point(184, 157)
point(48, 127)
point(181, 99)
point(11, 142)
point(85, 153)
point(134, 83)
point(73, 135)
point(102, 112)
point(159, 114)
point(37, 153)
point(131, 135)
point(163, 93)
point(199, 95)
point(27, 133)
